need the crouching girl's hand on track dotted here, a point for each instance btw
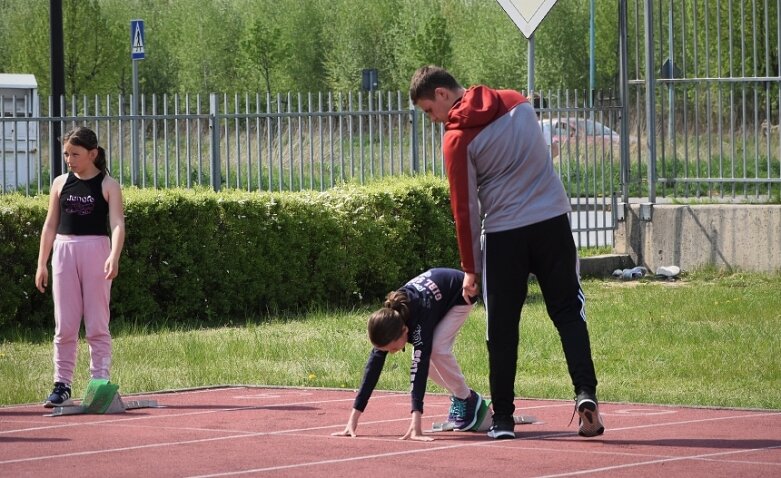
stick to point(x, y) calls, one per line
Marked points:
point(415, 431)
point(352, 425)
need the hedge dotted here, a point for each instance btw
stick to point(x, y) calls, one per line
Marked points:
point(201, 256)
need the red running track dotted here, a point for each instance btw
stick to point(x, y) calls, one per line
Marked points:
point(261, 431)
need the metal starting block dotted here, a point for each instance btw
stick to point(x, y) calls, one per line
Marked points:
point(102, 397)
point(484, 425)
point(483, 421)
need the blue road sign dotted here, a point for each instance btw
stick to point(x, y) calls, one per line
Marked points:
point(137, 39)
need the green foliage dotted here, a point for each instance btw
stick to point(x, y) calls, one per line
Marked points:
point(303, 31)
point(561, 60)
point(93, 47)
point(21, 220)
point(433, 44)
point(27, 29)
point(590, 170)
point(489, 48)
point(298, 45)
point(355, 36)
point(204, 37)
point(312, 45)
point(157, 72)
point(5, 53)
point(264, 47)
point(203, 256)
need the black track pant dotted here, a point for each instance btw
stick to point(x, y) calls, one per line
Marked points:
point(547, 250)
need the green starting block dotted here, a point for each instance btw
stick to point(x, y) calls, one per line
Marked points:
point(483, 422)
point(102, 397)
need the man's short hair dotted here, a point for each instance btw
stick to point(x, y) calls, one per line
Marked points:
point(427, 79)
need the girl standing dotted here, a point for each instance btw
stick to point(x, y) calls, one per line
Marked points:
point(85, 229)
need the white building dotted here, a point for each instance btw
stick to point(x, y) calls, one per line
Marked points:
point(19, 139)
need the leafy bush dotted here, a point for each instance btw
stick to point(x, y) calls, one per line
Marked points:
point(201, 256)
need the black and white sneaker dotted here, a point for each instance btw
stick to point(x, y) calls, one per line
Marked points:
point(503, 428)
point(590, 422)
point(60, 396)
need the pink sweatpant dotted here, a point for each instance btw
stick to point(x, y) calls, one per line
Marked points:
point(80, 290)
point(445, 370)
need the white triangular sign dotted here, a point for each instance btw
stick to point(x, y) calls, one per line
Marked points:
point(527, 14)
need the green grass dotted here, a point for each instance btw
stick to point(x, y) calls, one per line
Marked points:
point(710, 339)
point(594, 251)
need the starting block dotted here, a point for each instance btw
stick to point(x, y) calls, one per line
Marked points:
point(483, 422)
point(102, 397)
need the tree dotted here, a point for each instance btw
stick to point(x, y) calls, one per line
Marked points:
point(489, 47)
point(315, 45)
point(562, 47)
point(28, 40)
point(302, 68)
point(5, 13)
point(433, 45)
point(92, 48)
point(264, 47)
point(356, 36)
point(203, 38)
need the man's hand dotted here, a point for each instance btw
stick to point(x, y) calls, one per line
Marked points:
point(471, 287)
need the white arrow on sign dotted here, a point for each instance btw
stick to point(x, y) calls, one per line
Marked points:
point(527, 14)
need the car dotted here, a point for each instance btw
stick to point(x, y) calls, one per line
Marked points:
point(580, 132)
point(585, 129)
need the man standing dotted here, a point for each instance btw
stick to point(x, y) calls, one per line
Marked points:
point(510, 211)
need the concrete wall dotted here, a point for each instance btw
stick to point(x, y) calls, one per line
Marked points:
point(740, 236)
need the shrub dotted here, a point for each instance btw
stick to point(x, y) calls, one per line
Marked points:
point(201, 256)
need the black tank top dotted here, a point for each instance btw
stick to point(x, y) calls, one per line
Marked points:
point(83, 209)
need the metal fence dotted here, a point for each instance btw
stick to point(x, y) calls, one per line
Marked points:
point(295, 142)
point(703, 97)
point(250, 142)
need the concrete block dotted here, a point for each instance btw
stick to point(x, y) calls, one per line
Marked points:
point(604, 265)
point(729, 236)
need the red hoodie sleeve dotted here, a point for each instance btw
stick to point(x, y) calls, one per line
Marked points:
point(456, 163)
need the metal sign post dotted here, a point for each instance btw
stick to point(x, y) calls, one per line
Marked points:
point(136, 54)
point(527, 15)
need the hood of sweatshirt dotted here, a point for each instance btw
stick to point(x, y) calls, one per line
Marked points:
point(481, 105)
